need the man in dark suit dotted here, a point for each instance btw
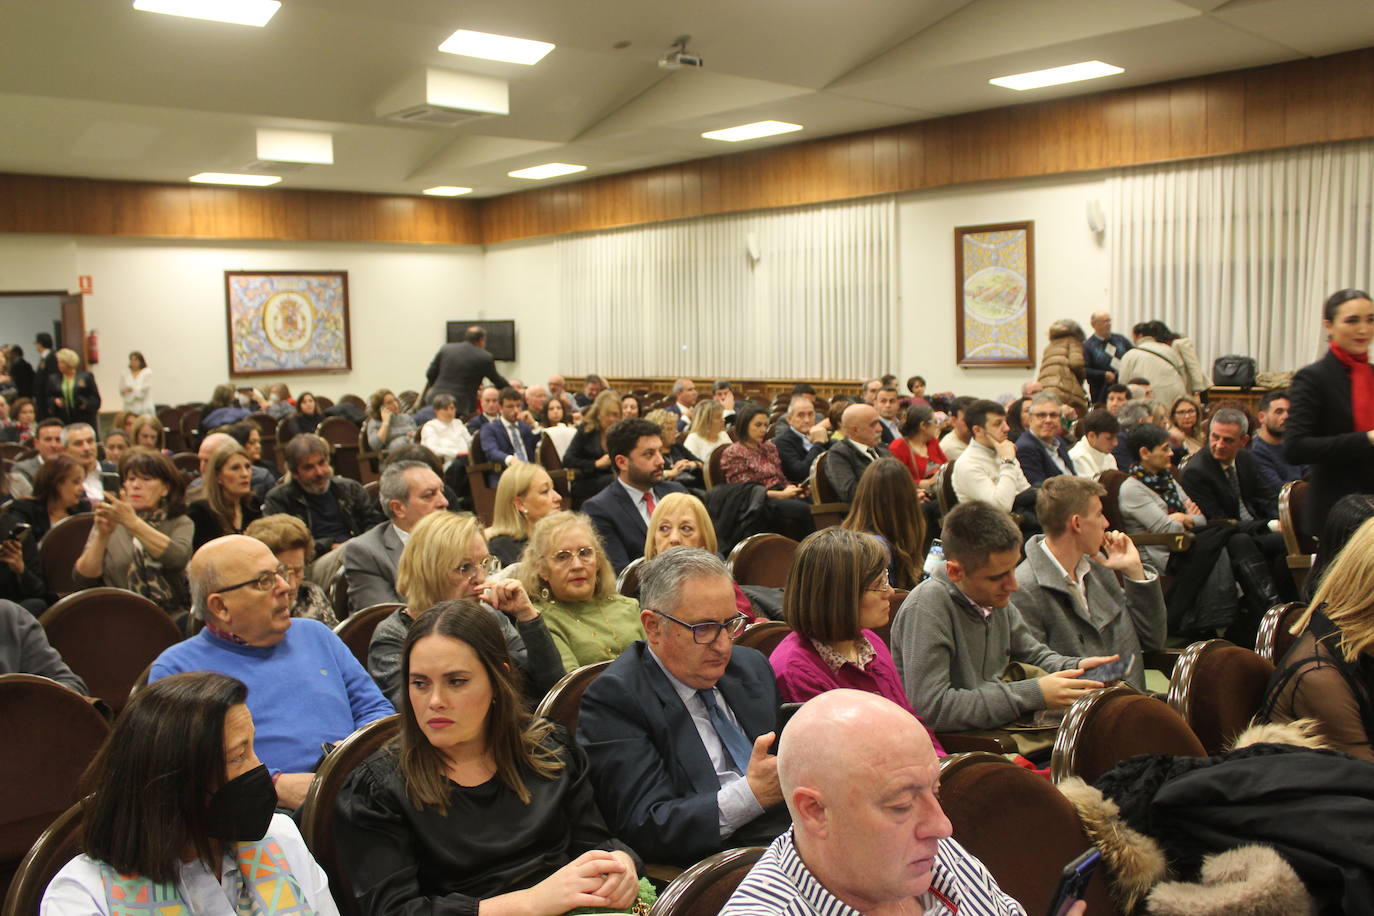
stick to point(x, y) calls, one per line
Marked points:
point(506, 437)
point(1102, 354)
point(800, 439)
point(1041, 451)
point(621, 511)
point(489, 404)
point(888, 405)
point(21, 373)
point(677, 730)
point(458, 369)
point(853, 454)
point(408, 491)
point(46, 366)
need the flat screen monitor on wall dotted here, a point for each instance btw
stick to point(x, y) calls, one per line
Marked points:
point(500, 336)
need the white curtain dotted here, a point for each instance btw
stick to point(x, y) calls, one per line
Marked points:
point(807, 292)
point(1240, 252)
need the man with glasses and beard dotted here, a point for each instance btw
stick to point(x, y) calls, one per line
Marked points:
point(678, 728)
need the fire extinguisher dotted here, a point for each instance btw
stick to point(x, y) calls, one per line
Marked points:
point(92, 348)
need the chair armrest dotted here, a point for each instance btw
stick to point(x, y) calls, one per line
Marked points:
point(967, 742)
point(828, 508)
point(1175, 542)
point(568, 474)
point(1163, 660)
point(1301, 560)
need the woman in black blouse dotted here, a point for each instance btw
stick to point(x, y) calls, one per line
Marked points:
point(586, 453)
point(477, 804)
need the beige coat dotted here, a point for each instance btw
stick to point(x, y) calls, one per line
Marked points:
point(1061, 368)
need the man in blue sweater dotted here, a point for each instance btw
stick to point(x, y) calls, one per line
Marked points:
point(304, 687)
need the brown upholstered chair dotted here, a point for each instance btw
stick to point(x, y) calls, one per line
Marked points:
point(944, 489)
point(1274, 639)
point(317, 811)
point(712, 473)
point(1111, 507)
point(356, 631)
point(188, 426)
point(984, 797)
point(703, 889)
point(188, 463)
point(1301, 543)
point(1108, 726)
point(58, 845)
point(342, 435)
point(627, 583)
point(369, 459)
point(764, 635)
point(762, 559)
point(170, 418)
point(108, 636)
point(826, 507)
point(12, 451)
point(59, 549)
point(563, 702)
point(51, 734)
point(562, 477)
point(267, 427)
point(483, 496)
point(1217, 688)
point(373, 488)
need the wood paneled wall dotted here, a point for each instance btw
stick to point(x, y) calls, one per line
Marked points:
point(81, 206)
point(1292, 104)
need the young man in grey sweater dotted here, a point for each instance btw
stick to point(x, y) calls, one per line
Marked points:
point(956, 633)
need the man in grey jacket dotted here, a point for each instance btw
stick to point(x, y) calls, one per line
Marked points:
point(24, 649)
point(956, 632)
point(1084, 588)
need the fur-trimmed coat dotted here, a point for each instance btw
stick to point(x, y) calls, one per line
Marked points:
point(1062, 369)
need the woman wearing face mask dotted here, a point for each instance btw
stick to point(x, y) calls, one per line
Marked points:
point(477, 807)
point(229, 505)
point(523, 497)
point(143, 541)
point(226, 406)
point(446, 559)
point(179, 811)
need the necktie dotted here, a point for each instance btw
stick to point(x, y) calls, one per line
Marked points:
point(872, 454)
point(649, 503)
point(736, 744)
point(517, 440)
point(1234, 481)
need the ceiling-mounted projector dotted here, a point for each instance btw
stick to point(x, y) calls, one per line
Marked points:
point(679, 57)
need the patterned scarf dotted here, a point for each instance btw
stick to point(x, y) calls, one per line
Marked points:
point(146, 576)
point(1161, 484)
point(264, 887)
point(1361, 387)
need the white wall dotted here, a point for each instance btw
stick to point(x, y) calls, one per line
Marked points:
point(22, 318)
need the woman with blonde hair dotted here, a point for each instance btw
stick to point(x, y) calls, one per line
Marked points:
point(1328, 674)
point(446, 559)
point(707, 432)
point(524, 495)
point(566, 569)
point(679, 464)
point(147, 433)
point(1185, 426)
point(681, 520)
point(587, 454)
point(228, 505)
point(72, 396)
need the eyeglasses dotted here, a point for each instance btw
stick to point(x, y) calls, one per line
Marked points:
point(263, 582)
point(488, 565)
point(708, 632)
point(882, 586)
point(564, 557)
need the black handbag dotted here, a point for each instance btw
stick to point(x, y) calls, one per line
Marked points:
point(1234, 371)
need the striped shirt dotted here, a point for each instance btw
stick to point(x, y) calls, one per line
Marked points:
point(780, 884)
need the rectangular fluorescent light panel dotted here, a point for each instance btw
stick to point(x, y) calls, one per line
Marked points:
point(1071, 73)
point(751, 131)
point(257, 181)
point(446, 190)
point(547, 170)
point(296, 146)
point(236, 12)
point(496, 47)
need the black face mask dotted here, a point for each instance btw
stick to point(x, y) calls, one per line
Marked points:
point(241, 809)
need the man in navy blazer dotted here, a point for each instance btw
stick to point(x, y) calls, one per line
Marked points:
point(500, 435)
point(1102, 354)
point(677, 729)
point(621, 511)
point(800, 439)
point(1037, 447)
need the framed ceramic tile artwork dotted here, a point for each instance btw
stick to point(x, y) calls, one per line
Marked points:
point(285, 322)
point(994, 294)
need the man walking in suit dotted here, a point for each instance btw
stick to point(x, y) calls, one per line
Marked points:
point(852, 454)
point(621, 511)
point(507, 438)
point(1042, 452)
point(677, 729)
point(458, 369)
point(46, 366)
point(1102, 354)
point(800, 439)
point(408, 491)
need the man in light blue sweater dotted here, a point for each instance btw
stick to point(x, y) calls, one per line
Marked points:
point(304, 687)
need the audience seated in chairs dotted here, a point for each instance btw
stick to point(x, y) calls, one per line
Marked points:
point(446, 559)
point(1326, 674)
point(23, 421)
point(24, 649)
point(58, 493)
point(800, 439)
point(557, 425)
point(681, 520)
point(305, 688)
point(567, 572)
point(959, 436)
point(1186, 430)
point(506, 438)
point(142, 542)
point(387, 424)
point(885, 505)
point(1342, 521)
point(407, 492)
point(524, 496)
point(306, 418)
point(225, 407)
point(477, 805)
point(47, 442)
point(679, 465)
point(754, 459)
point(488, 409)
point(588, 453)
point(1267, 446)
point(227, 504)
point(79, 441)
point(115, 444)
point(851, 848)
point(707, 430)
point(1093, 452)
point(147, 432)
point(179, 810)
point(859, 447)
point(446, 435)
point(678, 728)
point(289, 540)
point(248, 434)
point(1041, 450)
point(918, 447)
point(987, 470)
point(621, 511)
point(1083, 588)
point(955, 633)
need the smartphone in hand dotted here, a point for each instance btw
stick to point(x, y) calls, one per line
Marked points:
point(1073, 881)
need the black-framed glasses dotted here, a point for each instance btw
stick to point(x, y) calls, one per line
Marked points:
point(488, 565)
point(709, 632)
point(263, 582)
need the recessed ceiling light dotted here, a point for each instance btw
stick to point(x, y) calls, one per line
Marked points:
point(257, 181)
point(751, 131)
point(446, 190)
point(308, 146)
point(238, 12)
point(547, 170)
point(496, 47)
point(1071, 73)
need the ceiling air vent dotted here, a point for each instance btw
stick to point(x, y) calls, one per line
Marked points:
point(434, 115)
point(271, 167)
point(444, 98)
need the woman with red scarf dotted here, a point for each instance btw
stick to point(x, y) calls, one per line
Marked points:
point(1331, 420)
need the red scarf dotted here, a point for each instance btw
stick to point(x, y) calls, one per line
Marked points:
point(1361, 388)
